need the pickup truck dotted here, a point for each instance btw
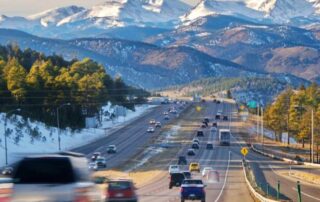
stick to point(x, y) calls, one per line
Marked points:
point(193, 189)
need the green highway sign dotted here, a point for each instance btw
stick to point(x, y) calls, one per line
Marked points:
point(252, 104)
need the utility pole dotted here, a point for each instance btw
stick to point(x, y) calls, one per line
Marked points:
point(58, 124)
point(262, 129)
point(312, 135)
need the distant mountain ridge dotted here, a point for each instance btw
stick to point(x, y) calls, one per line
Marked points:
point(260, 47)
point(159, 67)
point(270, 11)
point(77, 22)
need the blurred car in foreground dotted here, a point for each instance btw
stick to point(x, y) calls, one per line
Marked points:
point(54, 177)
point(121, 190)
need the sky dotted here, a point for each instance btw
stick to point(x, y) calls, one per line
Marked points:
point(28, 7)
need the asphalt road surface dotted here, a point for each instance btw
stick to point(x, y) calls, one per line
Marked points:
point(230, 185)
point(130, 139)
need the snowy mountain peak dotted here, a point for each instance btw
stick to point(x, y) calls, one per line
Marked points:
point(53, 16)
point(279, 11)
point(223, 7)
point(130, 12)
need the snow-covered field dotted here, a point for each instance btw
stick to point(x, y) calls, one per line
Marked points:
point(21, 143)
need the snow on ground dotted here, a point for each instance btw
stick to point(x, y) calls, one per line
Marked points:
point(270, 134)
point(20, 142)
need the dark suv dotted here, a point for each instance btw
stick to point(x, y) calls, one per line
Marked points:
point(182, 160)
point(176, 179)
point(200, 133)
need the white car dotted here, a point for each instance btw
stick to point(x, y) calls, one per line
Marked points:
point(150, 130)
point(111, 149)
point(205, 171)
point(93, 166)
point(174, 169)
point(152, 122)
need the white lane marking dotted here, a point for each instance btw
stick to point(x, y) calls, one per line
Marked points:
point(225, 179)
point(308, 195)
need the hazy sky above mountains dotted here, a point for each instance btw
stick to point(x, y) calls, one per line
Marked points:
point(27, 7)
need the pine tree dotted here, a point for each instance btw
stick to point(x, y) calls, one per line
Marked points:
point(16, 82)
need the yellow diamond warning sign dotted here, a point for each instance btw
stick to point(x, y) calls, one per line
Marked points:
point(198, 108)
point(244, 151)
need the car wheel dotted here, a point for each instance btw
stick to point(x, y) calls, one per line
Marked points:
point(182, 200)
point(203, 200)
point(170, 187)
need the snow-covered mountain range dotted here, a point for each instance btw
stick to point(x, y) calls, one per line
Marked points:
point(272, 11)
point(73, 21)
point(60, 22)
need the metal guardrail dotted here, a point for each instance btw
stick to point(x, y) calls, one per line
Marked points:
point(257, 196)
point(291, 161)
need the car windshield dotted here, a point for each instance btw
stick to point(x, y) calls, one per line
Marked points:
point(119, 185)
point(192, 182)
point(44, 171)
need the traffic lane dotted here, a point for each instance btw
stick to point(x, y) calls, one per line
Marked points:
point(236, 188)
point(265, 172)
point(89, 148)
point(159, 191)
point(126, 139)
point(130, 144)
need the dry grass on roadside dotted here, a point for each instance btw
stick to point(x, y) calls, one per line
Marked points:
point(140, 178)
point(303, 176)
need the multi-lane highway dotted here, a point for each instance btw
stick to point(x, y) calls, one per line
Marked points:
point(129, 139)
point(226, 160)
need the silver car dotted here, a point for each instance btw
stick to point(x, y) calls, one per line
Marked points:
point(56, 177)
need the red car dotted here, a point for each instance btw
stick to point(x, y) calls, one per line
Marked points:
point(121, 190)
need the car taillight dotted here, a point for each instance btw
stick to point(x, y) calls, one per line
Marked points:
point(5, 194)
point(82, 195)
point(181, 190)
point(109, 193)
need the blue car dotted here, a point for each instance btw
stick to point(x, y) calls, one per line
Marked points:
point(193, 189)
